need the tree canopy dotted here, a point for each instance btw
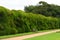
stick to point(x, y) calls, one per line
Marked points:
point(45, 9)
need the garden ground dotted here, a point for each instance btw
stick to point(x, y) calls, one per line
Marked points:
point(32, 35)
point(52, 36)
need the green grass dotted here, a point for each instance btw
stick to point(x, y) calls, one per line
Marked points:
point(21, 34)
point(53, 36)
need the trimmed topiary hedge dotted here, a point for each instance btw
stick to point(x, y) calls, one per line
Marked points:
point(17, 21)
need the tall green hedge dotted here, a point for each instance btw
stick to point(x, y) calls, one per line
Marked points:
point(17, 21)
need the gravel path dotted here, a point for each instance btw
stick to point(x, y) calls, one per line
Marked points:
point(32, 35)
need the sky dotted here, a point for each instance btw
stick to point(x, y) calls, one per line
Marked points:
point(20, 4)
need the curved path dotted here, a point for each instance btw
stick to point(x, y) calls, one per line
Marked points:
point(32, 35)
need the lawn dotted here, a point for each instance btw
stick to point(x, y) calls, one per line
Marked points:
point(53, 36)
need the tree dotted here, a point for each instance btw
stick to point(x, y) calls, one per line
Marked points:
point(43, 3)
point(29, 9)
point(44, 9)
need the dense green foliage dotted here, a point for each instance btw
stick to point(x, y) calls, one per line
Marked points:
point(45, 9)
point(17, 21)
